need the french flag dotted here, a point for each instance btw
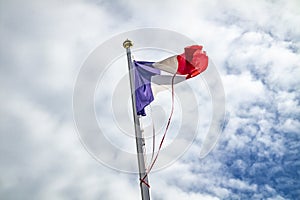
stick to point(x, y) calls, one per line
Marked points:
point(185, 66)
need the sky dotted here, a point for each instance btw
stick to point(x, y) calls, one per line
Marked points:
point(254, 46)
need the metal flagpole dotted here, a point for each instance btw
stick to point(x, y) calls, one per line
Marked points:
point(140, 142)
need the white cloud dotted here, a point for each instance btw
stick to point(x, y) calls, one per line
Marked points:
point(255, 46)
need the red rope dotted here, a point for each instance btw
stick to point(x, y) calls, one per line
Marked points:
point(143, 181)
point(163, 138)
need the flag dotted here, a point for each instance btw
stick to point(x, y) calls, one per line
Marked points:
point(143, 93)
point(184, 66)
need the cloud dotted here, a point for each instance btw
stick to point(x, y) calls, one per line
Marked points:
point(255, 47)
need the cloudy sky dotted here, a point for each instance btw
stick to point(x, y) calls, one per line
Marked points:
point(255, 48)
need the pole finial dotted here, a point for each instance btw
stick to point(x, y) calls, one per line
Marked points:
point(127, 44)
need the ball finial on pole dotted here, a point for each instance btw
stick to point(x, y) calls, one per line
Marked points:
point(127, 44)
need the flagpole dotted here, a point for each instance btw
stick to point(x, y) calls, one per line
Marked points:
point(140, 142)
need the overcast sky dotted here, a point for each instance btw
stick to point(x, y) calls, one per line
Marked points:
point(255, 48)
